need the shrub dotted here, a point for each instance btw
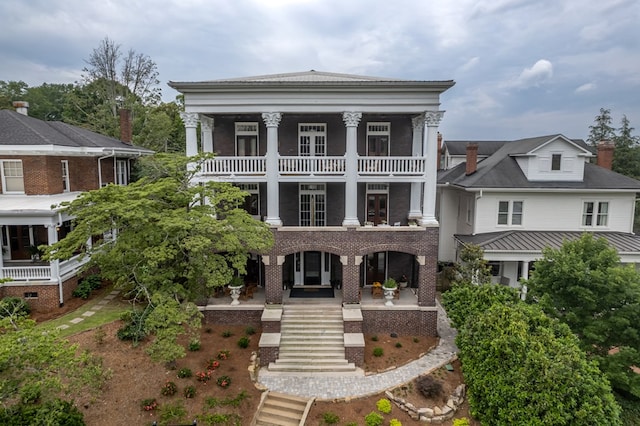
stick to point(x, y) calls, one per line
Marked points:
point(194, 345)
point(203, 376)
point(134, 328)
point(169, 389)
point(224, 381)
point(189, 391)
point(183, 373)
point(212, 364)
point(429, 387)
point(13, 306)
point(461, 422)
point(395, 422)
point(30, 393)
point(373, 419)
point(149, 404)
point(86, 286)
point(384, 405)
point(57, 412)
point(374, 338)
point(249, 331)
point(330, 418)
point(99, 335)
point(223, 354)
point(398, 345)
point(378, 351)
point(243, 342)
point(227, 333)
point(172, 412)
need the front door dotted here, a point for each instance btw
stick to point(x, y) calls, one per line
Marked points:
point(377, 208)
point(376, 267)
point(19, 241)
point(312, 268)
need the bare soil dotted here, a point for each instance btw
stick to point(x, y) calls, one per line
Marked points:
point(136, 378)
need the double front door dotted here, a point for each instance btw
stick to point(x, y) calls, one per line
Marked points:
point(312, 268)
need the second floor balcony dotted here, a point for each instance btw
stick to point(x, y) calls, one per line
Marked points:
point(325, 168)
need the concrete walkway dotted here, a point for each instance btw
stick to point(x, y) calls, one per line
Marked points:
point(336, 386)
point(92, 310)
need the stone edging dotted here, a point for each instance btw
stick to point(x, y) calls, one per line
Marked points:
point(436, 414)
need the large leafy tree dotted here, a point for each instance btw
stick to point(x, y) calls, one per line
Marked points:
point(584, 285)
point(602, 129)
point(175, 241)
point(11, 91)
point(47, 102)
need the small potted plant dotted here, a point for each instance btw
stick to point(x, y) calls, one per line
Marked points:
point(403, 281)
point(390, 286)
point(234, 286)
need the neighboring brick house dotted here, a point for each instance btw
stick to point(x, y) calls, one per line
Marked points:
point(342, 168)
point(43, 163)
point(530, 194)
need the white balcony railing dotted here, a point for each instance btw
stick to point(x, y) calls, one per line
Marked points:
point(315, 166)
point(26, 273)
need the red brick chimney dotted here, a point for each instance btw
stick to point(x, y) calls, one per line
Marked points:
point(126, 134)
point(472, 158)
point(439, 150)
point(21, 107)
point(605, 154)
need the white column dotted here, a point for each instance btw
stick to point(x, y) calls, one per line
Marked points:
point(525, 275)
point(206, 125)
point(54, 265)
point(415, 212)
point(351, 120)
point(272, 120)
point(190, 120)
point(430, 149)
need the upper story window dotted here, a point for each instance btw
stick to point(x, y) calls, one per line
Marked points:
point(510, 213)
point(556, 162)
point(65, 175)
point(246, 139)
point(122, 172)
point(378, 135)
point(312, 204)
point(595, 213)
point(12, 176)
point(252, 201)
point(312, 139)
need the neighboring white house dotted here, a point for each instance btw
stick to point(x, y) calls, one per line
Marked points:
point(455, 152)
point(532, 193)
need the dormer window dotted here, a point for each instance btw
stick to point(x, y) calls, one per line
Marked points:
point(556, 162)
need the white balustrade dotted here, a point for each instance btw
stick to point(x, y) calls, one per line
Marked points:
point(393, 166)
point(299, 165)
point(26, 273)
point(234, 166)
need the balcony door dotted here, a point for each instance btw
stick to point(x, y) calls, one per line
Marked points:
point(312, 139)
point(377, 203)
point(312, 205)
point(376, 267)
point(378, 139)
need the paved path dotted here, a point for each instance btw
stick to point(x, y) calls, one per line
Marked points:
point(339, 387)
point(96, 307)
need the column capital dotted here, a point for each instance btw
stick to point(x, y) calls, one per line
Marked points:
point(207, 122)
point(190, 119)
point(433, 118)
point(418, 122)
point(271, 119)
point(351, 118)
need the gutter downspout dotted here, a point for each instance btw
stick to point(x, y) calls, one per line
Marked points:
point(113, 154)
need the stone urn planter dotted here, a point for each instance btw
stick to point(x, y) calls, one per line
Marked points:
point(389, 286)
point(235, 294)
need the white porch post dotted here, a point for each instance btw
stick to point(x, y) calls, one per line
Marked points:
point(190, 120)
point(416, 151)
point(54, 265)
point(351, 120)
point(525, 275)
point(430, 151)
point(206, 124)
point(272, 120)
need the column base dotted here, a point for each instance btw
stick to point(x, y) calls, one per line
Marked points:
point(415, 215)
point(350, 221)
point(429, 221)
point(273, 221)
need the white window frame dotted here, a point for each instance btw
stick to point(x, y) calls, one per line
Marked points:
point(317, 142)
point(66, 186)
point(557, 155)
point(372, 189)
point(244, 129)
point(14, 173)
point(379, 128)
point(122, 172)
point(313, 190)
point(598, 216)
point(511, 212)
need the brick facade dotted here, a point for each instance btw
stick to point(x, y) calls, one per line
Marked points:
point(48, 293)
point(233, 317)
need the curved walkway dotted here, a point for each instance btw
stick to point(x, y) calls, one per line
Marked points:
point(339, 387)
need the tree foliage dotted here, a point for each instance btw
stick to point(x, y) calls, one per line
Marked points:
point(601, 130)
point(584, 285)
point(523, 368)
point(473, 268)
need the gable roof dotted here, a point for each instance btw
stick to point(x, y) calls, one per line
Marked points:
point(20, 130)
point(485, 148)
point(501, 170)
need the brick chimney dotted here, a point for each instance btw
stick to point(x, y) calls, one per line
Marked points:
point(126, 134)
point(439, 150)
point(21, 107)
point(605, 154)
point(472, 158)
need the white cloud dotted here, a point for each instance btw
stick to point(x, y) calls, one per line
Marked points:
point(587, 87)
point(470, 64)
point(539, 73)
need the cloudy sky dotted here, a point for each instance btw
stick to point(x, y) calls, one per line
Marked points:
point(522, 67)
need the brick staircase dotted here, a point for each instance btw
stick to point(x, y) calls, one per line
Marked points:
point(312, 341)
point(277, 409)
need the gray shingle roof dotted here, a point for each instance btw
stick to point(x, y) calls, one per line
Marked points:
point(535, 241)
point(501, 170)
point(20, 130)
point(484, 147)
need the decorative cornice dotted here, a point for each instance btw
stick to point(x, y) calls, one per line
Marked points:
point(433, 118)
point(351, 119)
point(190, 119)
point(271, 119)
point(207, 123)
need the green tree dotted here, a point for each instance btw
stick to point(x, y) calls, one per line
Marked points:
point(626, 156)
point(47, 102)
point(584, 285)
point(175, 240)
point(473, 267)
point(11, 91)
point(160, 128)
point(523, 368)
point(602, 129)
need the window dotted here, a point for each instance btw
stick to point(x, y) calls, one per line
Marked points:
point(595, 213)
point(510, 212)
point(246, 139)
point(494, 268)
point(252, 201)
point(12, 176)
point(312, 139)
point(378, 139)
point(31, 295)
point(377, 200)
point(65, 176)
point(312, 205)
point(122, 172)
point(556, 161)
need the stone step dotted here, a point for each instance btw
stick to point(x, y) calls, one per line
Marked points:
point(303, 339)
point(337, 354)
point(312, 358)
point(281, 410)
point(311, 368)
point(306, 318)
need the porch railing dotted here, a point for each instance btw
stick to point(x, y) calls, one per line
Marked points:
point(235, 166)
point(26, 273)
point(311, 165)
point(393, 166)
